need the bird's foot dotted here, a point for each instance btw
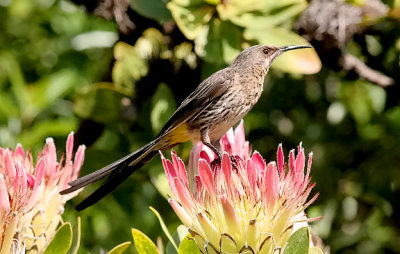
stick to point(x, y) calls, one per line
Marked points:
point(218, 160)
point(220, 154)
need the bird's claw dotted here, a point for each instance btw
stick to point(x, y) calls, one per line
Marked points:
point(218, 160)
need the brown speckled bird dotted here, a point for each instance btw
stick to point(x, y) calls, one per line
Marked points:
point(205, 115)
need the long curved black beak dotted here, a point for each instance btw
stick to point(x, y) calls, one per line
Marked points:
point(286, 48)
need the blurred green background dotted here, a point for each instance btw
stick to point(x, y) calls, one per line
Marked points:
point(113, 71)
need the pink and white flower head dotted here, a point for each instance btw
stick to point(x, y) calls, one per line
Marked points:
point(30, 203)
point(250, 208)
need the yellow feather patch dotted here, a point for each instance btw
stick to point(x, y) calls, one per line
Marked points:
point(179, 134)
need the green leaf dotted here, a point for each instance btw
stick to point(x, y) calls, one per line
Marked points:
point(142, 243)
point(213, 2)
point(190, 17)
point(159, 180)
point(76, 237)
point(100, 102)
point(315, 250)
point(8, 108)
point(178, 236)
point(163, 106)
point(47, 128)
point(233, 8)
point(260, 14)
point(120, 248)
point(49, 89)
point(304, 61)
point(188, 246)
point(18, 84)
point(128, 66)
point(357, 98)
point(219, 42)
point(62, 240)
point(164, 227)
point(154, 9)
point(299, 242)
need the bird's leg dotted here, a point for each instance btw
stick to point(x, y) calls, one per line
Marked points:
point(206, 141)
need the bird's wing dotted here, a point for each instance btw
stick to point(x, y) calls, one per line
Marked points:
point(206, 93)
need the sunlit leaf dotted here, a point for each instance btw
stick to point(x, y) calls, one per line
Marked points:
point(259, 13)
point(159, 180)
point(128, 66)
point(218, 42)
point(315, 250)
point(190, 18)
point(142, 243)
point(234, 8)
point(100, 102)
point(120, 248)
point(188, 246)
point(304, 61)
point(163, 105)
point(214, 2)
point(52, 87)
point(164, 227)
point(178, 236)
point(76, 237)
point(299, 242)
point(273, 13)
point(155, 9)
point(62, 240)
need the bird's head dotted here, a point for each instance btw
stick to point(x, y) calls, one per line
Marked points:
point(262, 55)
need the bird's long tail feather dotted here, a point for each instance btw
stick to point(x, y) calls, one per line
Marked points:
point(117, 172)
point(115, 178)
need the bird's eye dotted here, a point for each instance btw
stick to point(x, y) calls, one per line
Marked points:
point(266, 51)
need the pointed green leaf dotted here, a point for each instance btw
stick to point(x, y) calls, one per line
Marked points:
point(163, 106)
point(164, 228)
point(192, 17)
point(62, 240)
point(188, 246)
point(76, 237)
point(154, 9)
point(18, 84)
point(142, 243)
point(315, 250)
point(299, 242)
point(120, 248)
point(178, 236)
point(304, 61)
point(219, 42)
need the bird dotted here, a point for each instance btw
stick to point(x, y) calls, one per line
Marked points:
point(215, 105)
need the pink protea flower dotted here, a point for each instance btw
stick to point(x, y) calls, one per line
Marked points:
point(30, 203)
point(250, 208)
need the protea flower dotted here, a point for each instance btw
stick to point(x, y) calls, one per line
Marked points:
point(30, 203)
point(251, 207)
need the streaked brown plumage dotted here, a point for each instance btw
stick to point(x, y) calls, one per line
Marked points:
point(205, 115)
